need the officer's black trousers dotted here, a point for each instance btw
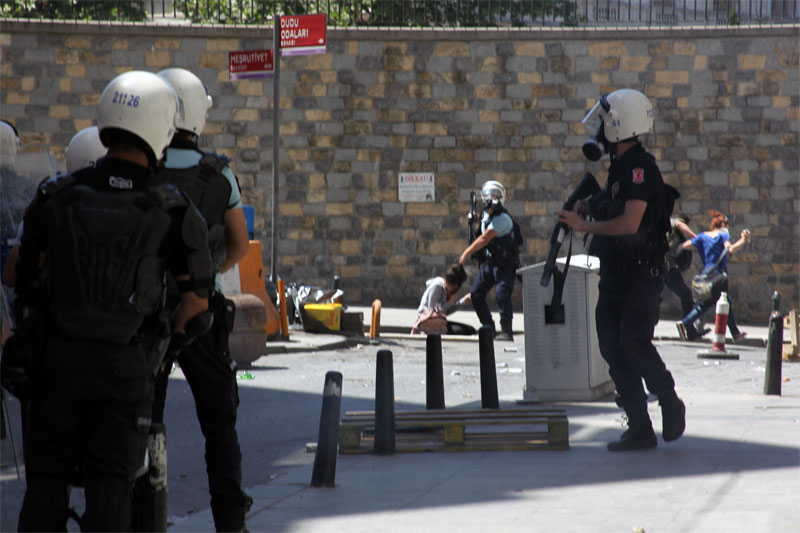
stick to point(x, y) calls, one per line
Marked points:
point(626, 315)
point(87, 423)
point(502, 278)
point(211, 374)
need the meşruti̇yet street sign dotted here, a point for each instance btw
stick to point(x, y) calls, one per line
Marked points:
point(303, 34)
point(251, 64)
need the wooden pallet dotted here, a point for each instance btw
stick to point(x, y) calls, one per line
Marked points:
point(791, 350)
point(460, 430)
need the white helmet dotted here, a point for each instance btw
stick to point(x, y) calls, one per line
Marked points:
point(9, 140)
point(84, 149)
point(625, 113)
point(493, 193)
point(194, 97)
point(140, 103)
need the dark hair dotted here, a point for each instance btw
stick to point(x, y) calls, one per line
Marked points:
point(119, 138)
point(684, 218)
point(456, 275)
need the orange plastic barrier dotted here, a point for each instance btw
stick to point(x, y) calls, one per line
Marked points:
point(284, 316)
point(375, 323)
point(251, 276)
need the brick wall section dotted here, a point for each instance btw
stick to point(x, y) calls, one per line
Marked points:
point(468, 105)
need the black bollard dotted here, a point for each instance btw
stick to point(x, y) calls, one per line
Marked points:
point(384, 404)
point(489, 397)
point(434, 376)
point(772, 376)
point(324, 474)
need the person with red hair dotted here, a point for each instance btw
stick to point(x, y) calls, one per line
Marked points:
point(713, 247)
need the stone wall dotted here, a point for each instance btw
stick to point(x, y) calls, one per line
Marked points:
point(467, 105)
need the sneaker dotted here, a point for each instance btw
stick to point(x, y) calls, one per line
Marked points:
point(689, 333)
point(739, 336)
point(504, 336)
point(643, 438)
point(673, 419)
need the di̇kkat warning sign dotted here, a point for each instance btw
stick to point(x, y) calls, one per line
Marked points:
point(416, 187)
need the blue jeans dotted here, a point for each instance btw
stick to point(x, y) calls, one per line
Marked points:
point(703, 307)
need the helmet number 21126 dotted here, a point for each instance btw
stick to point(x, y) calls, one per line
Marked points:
point(125, 99)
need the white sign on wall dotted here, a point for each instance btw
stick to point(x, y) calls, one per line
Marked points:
point(416, 187)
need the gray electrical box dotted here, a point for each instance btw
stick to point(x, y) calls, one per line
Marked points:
point(562, 358)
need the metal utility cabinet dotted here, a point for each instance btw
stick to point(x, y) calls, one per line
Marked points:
point(562, 360)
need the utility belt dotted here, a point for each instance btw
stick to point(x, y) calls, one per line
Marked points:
point(639, 269)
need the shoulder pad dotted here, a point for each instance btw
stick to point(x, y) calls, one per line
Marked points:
point(214, 160)
point(168, 196)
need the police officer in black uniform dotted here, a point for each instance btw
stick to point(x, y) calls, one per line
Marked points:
point(630, 222)
point(207, 363)
point(90, 275)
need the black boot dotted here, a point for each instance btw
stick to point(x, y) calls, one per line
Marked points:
point(506, 333)
point(230, 517)
point(673, 418)
point(641, 437)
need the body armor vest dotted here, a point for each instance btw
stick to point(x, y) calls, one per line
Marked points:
point(104, 272)
point(209, 190)
point(504, 250)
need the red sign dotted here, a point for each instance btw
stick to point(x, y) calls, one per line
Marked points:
point(303, 34)
point(251, 64)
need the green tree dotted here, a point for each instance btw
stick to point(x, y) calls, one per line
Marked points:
point(132, 10)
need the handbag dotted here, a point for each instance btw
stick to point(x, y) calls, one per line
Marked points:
point(708, 285)
point(430, 321)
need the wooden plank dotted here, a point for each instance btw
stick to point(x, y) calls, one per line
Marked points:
point(791, 351)
point(460, 430)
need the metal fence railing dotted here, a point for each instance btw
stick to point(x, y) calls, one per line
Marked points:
point(421, 13)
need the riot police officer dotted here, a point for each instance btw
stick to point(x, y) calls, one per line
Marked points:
point(207, 363)
point(90, 274)
point(630, 222)
point(84, 149)
point(499, 260)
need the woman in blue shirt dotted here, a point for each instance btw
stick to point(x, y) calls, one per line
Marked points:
point(710, 247)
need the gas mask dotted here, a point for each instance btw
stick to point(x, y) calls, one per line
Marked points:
point(597, 145)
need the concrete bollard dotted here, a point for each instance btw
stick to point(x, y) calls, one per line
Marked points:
point(248, 339)
point(434, 375)
point(717, 350)
point(324, 474)
point(489, 397)
point(772, 375)
point(384, 404)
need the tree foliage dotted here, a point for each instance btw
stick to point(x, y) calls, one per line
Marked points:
point(403, 13)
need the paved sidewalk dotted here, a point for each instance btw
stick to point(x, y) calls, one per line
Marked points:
point(736, 469)
point(395, 323)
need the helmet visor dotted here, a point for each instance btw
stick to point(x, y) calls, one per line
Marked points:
point(594, 118)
